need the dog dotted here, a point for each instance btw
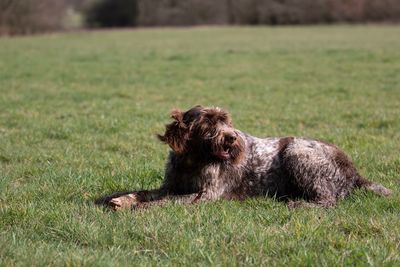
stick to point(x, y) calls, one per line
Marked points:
point(211, 160)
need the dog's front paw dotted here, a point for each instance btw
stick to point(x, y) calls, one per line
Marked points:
point(123, 202)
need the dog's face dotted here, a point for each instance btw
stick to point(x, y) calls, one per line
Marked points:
point(205, 132)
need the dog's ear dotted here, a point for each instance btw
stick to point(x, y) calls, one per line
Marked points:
point(176, 133)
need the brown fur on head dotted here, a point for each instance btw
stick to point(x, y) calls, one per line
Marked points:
point(204, 132)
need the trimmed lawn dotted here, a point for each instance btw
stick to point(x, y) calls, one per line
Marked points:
point(78, 118)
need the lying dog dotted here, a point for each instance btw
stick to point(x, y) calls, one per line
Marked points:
point(211, 160)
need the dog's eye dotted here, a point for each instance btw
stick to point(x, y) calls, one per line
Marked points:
point(210, 135)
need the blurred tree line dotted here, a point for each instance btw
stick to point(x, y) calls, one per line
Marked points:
point(31, 16)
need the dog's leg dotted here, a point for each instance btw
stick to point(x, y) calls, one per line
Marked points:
point(319, 195)
point(128, 200)
point(146, 199)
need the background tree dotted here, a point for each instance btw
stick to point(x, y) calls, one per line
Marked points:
point(112, 13)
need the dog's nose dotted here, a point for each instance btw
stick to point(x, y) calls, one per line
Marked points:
point(230, 137)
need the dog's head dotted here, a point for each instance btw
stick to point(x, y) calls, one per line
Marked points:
point(205, 132)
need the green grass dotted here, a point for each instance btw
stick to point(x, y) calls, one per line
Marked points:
point(78, 118)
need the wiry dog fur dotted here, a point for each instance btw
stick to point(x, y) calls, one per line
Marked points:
point(210, 160)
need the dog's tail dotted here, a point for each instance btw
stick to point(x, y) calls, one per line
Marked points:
point(378, 189)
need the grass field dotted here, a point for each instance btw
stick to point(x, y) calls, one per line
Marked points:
point(78, 118)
